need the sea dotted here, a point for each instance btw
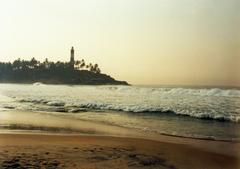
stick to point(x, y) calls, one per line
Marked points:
point(181, 111)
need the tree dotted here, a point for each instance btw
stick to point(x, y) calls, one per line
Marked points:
point(17, 64)
point(77, 64)
point(33, 63)
point(82, 65)
point(46, 63)
point(32, 70)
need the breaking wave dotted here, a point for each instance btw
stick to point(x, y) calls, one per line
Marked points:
point(214, 103)
point(64, 107)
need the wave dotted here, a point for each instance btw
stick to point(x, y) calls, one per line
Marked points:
point(176, 91)
point(38, 83)
point(63, 107)
point(215, 103)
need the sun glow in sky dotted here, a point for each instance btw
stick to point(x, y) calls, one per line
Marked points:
point(191, 42)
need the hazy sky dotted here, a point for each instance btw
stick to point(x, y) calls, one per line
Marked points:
point(193, 42)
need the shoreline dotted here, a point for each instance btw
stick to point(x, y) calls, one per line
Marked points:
point(104, 151)
point(201, 138)
point(138, 136)
point(61, 124)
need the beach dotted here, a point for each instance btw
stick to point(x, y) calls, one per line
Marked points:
point(126, 84)
point(118, 127)
point(90, 152)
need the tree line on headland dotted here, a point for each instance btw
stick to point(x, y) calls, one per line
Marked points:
point(25, 65)
point(23, 71)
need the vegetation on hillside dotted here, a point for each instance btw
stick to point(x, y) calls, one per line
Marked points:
point(23, 71)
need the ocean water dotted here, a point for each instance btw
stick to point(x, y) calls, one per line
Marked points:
point(209, 113)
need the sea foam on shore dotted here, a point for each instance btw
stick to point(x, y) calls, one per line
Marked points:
point(186, 112)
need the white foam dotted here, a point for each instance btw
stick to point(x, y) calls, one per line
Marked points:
point(56, 103)
point(220, 104)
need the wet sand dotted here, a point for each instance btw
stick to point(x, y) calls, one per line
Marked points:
point(101, 152)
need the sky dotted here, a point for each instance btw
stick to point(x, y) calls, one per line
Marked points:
point(168, 42)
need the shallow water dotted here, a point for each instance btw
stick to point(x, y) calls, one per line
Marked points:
point(211, 113)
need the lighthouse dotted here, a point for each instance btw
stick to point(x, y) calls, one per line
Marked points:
point(72, 56)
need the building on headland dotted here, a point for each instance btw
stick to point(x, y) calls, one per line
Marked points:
point(72, 58)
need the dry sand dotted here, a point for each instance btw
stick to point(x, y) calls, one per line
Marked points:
point(98, 152)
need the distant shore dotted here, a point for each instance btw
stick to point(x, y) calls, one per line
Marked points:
point(76, 151)
point(72, 73)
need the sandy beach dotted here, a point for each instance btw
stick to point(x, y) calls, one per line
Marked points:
point(40, 129)
point(91, 152)
point(120, 84)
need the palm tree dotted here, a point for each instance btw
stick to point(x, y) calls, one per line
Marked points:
point(96, 69)
point(46, 64)
point(90, 66)
point(33, 63)
point(77, 64)
point(82, 65)
point(17, 64)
